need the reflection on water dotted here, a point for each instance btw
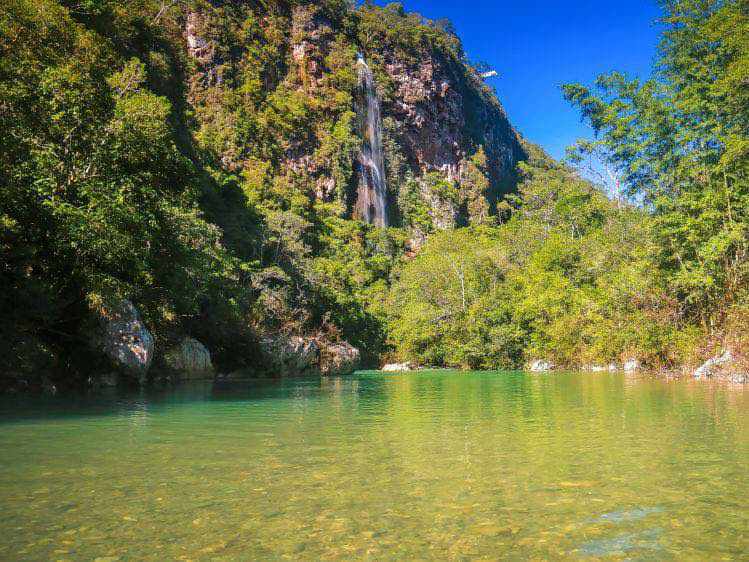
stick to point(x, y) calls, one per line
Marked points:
point(427, 465)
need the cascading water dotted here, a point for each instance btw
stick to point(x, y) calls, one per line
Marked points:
point(371, 202)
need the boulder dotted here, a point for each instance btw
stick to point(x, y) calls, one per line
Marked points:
point(723, 366)
point(125, 340)
point(191, 359)
point(291, 355)
point(397, 368)
point(540, 366)
point(632, 366)
point(340, 358)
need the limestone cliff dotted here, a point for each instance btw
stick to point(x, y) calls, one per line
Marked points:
point(450, 151)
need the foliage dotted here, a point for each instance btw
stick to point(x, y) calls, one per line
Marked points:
point(568, 278)
point(680, 142)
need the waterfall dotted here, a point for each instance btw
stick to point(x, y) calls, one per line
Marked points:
point(371, 202)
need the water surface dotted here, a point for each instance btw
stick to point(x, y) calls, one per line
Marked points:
point(417, 466)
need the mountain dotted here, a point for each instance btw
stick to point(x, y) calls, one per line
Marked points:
point(197, 169)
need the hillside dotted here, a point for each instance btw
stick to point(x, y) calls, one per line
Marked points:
point(202, 161)
point(268, 188)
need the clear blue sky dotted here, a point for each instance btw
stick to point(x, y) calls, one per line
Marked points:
point(537, 45)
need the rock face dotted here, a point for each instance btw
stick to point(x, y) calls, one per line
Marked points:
point(191, 359)
point(291, 355)
point(202, 49)
point(126, 340)
point(397, 368)
point(443, 113)
point(540, 366)
point(339, 359)
point(724, 367)
point(296, 355)
point(438, 112)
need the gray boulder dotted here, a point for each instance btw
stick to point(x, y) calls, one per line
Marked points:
point(191, 359)
point(397, 368)
point(291, 355)
point(124, 338)
point(540, 366)
point(340, 358)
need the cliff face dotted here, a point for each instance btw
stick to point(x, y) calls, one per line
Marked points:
point(214, 149)
point(444, 113)
point(438, 113)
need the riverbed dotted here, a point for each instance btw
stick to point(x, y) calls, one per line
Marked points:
point(428, 465)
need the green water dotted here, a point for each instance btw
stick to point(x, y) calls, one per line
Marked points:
point(418, 466)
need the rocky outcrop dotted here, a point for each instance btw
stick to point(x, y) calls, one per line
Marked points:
point(191, 359)
point(125, 340)
point(397, 368)
point(443, 112)
point(202, 49)
point(291, 355)
point(296, 355)
point(632, 366)
point(311, 35)
point(724, 367)
point(540, 366)
point(340, 358)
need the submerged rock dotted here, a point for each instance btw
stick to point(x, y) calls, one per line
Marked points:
point(125, 339)
point(397, 368)
point(340, 358)
point(192, 359)
point(540, 366)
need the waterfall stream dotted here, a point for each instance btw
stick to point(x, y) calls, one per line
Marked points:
point(371, 203)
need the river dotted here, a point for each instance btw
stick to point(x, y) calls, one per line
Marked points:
point(433, 465)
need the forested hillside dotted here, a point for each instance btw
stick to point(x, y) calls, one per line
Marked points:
point(203, 161)
point(199, 159)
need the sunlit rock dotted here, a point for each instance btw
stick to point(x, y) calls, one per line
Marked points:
point(540, 366)
point(397, 368)
point(291, 355)
point(124, 338)
point(611, 368)
point(632, 366)
point(725, 367)
point(340, 358)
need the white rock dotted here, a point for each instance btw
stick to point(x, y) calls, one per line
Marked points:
point(397, 368)
point(126, 340)
point(631, 366)
point(709, 368)
point(540, 366)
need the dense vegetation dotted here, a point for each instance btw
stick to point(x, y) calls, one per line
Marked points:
point(215, 190)
point(657, 272)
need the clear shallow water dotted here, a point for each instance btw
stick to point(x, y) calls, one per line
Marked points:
point(417, 466)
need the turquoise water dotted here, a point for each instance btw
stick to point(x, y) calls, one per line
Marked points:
point(383, 467)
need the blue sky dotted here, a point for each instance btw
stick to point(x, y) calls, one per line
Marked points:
point(537, 45)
